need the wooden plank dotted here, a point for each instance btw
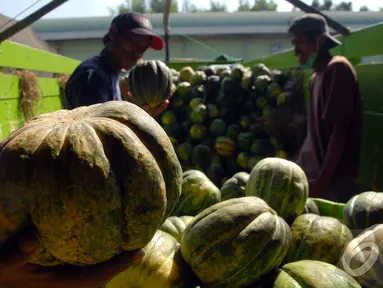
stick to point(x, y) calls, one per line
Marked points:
point(362, 43)
point(371, 158)
point(10, 114)
point(354, 47)
point(49, 86)
point(9, 87)
point(19, 56)
point(371, 86)
point(10, 110)
point(8, 127)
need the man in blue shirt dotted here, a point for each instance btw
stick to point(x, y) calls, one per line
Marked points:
point(96, 79)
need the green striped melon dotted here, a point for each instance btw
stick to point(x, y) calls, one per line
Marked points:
point(308, 274)
point(155, 91)
point(176, 226)
point(198, 193)
point(319, 238)
point(364, 210)
point(224, 146)
point(234, 242)
point(161, 267)
point(282, 184)
point(235, 187)
point(311, 207)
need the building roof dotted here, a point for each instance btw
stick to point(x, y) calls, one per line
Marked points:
point(26, 36)
point(196, 23)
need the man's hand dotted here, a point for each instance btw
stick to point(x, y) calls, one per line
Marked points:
point(154, 112)
point(15, 272)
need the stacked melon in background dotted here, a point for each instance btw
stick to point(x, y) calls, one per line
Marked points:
point(223, 120)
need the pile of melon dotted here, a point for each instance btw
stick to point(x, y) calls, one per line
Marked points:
point(218, 116)
point(98, 180)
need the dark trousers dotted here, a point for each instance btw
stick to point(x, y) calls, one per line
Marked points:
point(343, 191)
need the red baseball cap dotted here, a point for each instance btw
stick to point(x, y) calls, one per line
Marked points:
point(138, 24)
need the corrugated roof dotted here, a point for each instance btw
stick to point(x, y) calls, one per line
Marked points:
point(26, 36)
point(203, 20)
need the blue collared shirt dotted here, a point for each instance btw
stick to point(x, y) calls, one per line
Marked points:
point(92, 82)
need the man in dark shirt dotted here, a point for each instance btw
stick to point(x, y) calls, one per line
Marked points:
point(330, 153)
point(96, 79)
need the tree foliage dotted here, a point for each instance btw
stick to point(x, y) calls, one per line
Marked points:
point(217, 6)
point(328, 5)
point(264, 5)
point(140, 6)
point(157, 6)
point(244, 5)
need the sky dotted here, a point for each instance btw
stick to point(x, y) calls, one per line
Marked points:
point(89, 8)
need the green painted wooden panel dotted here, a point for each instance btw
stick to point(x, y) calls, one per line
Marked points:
point(10, 115)
point(371, 161)
point(371, 158)
point(9, 86)
point(360, 43)
point(371, 86)
point(19, 56)
point(7, 127)
point(10, 110)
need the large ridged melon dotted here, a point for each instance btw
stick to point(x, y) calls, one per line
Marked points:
point(235, 242)
point(282, 184)
point(93, 180)
point(364, 210)
point(319, 238)
point(307, 274)
point(161, 267)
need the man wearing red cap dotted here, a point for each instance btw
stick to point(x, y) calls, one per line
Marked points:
point(96, 79)
point(330, 153)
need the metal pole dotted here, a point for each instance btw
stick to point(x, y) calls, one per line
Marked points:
point(20, 25)
point(167, 7)
point(167, 57)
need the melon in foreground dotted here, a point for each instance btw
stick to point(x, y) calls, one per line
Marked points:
point(95, 180)
point(364, 210)
point(176, 226)
point(198, 193)
point(308, 274)
point(150, 83)
point(282, 184)
point(235, 187)
point(311, 207)
point(235, 242)
point(161, 267)
point(319, 238)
